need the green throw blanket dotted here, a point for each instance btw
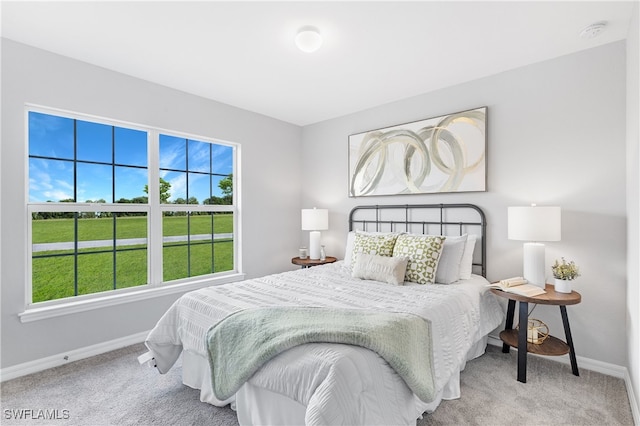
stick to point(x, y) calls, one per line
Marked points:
point(242, 342)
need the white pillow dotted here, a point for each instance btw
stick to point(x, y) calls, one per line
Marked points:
point(449, 265)
point(380, 268)
point(349, 248)
point(466, 263)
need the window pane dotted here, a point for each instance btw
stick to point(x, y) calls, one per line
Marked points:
point(174, 224)
point(52, 278)
point(173, 154)
point(177, 260)
point(95, 232)
point(50, 136)
point(222, 159)
point(223, 254)
point(199, 188)
point(94, 142)
point(222, 187)
point(223, 241)
point(174, 263)
point(95, 182)
point(130, 185)
point(177, 191)
point(95, 272)
point(130, 147)
point(175, 251)
point(49, 229)
point(95, 267)
point(131, 257)
point(131, 268)
point(50, 180)
point(199, 156)
point(52, 256)
point(201, 248)
point(201, 257)
point(131, 229)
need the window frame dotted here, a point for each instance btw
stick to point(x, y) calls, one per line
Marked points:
point(154, 210)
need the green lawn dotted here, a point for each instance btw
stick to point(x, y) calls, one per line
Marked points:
point(53, 277)
point(60, 230)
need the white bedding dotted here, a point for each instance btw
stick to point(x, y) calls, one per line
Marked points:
point(330, 383)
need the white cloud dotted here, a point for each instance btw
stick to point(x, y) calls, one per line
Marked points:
point(57, 195)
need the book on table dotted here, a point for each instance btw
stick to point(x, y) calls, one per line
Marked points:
point(518, 285)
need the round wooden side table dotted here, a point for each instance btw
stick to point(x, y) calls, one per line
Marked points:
point(518, 338)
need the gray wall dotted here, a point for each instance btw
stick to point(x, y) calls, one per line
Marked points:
point(633, 200)
point(556, 136)
point(270, 207)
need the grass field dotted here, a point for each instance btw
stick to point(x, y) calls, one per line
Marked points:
point(53, 276)
point(62, 230)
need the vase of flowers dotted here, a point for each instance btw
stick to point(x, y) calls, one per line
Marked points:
point(564, 274)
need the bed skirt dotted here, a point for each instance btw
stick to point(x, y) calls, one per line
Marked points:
point(255, 405)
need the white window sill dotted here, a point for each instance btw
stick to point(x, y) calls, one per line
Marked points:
point(36, 313)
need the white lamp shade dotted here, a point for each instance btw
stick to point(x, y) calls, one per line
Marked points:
point(534, 223)
point(315, 219)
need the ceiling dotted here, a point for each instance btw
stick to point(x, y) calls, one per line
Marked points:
point(243, 54)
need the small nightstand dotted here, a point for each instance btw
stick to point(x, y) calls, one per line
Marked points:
point(518, 338)
point(308, 263)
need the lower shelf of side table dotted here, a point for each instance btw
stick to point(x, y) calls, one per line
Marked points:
point(551, 345)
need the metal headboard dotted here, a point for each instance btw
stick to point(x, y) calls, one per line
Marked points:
point(435, 219)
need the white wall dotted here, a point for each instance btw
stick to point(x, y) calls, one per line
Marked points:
point(270, 207)
point(633, 201)
point(572, 106)
point(556, 136)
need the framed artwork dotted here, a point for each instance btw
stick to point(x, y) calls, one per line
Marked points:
point(436, 155)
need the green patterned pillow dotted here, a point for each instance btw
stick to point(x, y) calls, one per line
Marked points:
point(376, 244)
point(423, 252)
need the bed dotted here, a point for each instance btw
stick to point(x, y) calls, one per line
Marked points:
point(319, 383)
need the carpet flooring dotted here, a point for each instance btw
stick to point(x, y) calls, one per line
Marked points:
point(113, 389)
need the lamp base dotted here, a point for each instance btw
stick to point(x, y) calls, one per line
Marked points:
point(533, 264)
point(314, 245)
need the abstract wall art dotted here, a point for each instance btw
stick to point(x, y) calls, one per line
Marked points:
point(436, 155)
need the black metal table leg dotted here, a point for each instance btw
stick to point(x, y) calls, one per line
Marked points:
point(522, 342)
point(567, 334)
point(511, 307)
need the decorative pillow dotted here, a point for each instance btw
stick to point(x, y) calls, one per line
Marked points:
point(423, 252)
point(449, 265)
point(380, 268)
point(351, 236)
point(380, 244)
point(466, 263)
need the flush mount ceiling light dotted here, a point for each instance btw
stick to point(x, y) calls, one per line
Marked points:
point(593, 30)
point(308, 39)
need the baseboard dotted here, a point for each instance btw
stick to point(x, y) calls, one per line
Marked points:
point(597, 366)
point(635, 410)
point(37, 365)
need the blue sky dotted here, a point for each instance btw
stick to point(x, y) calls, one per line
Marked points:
point(52, 179)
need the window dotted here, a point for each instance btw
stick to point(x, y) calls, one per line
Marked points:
point(117, 206)
point(203, 176)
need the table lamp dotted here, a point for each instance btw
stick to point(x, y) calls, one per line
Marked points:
point(315, 220)
point(534, 224)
